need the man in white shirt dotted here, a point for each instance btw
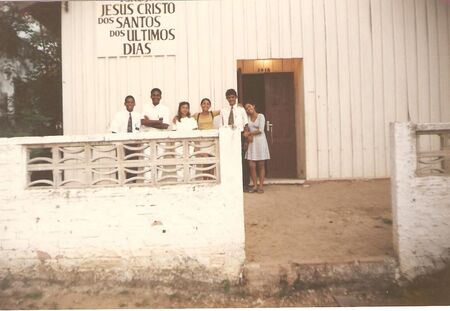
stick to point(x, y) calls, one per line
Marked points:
point(155, 118)
point(127, 120)
point(155, 115)
point(239, 117)
point(236, 117)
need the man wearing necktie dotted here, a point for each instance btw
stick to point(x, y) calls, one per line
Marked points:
point(127, 121)
point(236, 117)
point(231, 117)
point(130, 123)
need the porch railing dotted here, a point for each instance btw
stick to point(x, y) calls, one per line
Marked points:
point(141, 162)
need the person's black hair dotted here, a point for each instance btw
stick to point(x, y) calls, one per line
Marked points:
point(230, 92)
point(179, 110)
point(128, 97)
point(156, 89)
point(249, 103)
point(205, 99)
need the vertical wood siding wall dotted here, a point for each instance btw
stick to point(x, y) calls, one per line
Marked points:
point(366, 63)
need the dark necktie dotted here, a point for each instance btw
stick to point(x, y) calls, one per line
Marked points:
point(130, 124)
point(231, 117)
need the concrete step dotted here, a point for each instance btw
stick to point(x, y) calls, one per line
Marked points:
point(273, 277)
point(284, 181)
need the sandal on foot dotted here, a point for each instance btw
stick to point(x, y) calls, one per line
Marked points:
point(260, 191)
point(252, 190)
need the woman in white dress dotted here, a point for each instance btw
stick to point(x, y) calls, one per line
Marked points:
point(258, 149)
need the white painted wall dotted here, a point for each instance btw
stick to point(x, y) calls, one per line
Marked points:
point(421, 206)
point(366, 63)
point(123, 232)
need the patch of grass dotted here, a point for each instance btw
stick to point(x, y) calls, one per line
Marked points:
point(226, 286)
point(174, 296)
point(299, 285)
point(34, 295)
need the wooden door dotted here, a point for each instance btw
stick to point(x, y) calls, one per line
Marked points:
point(280, 112)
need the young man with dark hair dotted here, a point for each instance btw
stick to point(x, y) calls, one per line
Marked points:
point(156, 115)
point(127, 121)
point(235, 116)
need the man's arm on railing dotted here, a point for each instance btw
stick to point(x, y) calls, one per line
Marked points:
point(158, 124)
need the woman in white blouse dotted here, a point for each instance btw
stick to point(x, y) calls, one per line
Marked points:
point(183, 120)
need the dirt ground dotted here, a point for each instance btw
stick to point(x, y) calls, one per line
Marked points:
point(317, 222)
point(47, 294)
point(35, 294)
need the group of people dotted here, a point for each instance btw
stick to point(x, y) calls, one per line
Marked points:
point(243, 118)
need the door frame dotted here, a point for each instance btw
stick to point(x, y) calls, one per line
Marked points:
point(294, 65)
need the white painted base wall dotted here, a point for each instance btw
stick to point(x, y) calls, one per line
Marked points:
point(124, 232)
point(421, 208)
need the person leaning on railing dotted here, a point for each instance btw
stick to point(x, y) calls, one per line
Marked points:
point(184, 122)
point(155, 118)
point(205, 118)
point(127, 121)
point(155, 115)
point(205, 121)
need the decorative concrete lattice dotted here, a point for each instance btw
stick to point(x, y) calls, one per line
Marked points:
point(132, 163)
point(433, 152)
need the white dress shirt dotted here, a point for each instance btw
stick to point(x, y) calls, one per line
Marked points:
point(119, 123)
point(185, 124)
point(155, 113)
point(239, 113)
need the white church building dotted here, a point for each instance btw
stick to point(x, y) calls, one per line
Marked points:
point(330, 75)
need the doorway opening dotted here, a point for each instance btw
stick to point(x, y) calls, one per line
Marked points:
point(275, 86)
